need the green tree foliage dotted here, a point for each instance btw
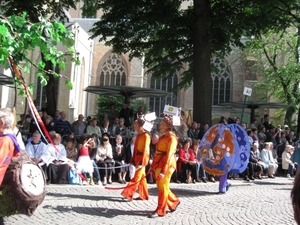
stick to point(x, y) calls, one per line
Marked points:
point(105, 101)
point(53, 11)
point(38, 8)
point(18, 36)
point(173, 38)
point(277, 55)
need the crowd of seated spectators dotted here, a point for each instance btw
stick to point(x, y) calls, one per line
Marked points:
point(114, 140)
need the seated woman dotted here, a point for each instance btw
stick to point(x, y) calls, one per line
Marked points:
point(104, 158)
point(200, 173)
point(72, 136)
point(186, 165)
point(123, 131)
point(119, 158)
point(92, 154)
point(287, 163)
point(268, 161)
point(208, 161)
point(58, 168)
point(72, 152)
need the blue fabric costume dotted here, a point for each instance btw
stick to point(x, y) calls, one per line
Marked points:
point(224, 149)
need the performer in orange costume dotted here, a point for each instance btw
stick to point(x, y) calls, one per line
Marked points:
point(140, 160)
point(163, 166)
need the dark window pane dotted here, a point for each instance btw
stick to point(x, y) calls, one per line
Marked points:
point(113, 70)
point(157, 104)
point(221, 81)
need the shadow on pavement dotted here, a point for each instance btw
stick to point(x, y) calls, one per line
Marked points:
point(270, 183)
point(284, 189)
point(184, 192)
point(87, 197)
point(99, 211)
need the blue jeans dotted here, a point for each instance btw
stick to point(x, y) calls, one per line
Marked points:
point(96, 171)
point(200, 170)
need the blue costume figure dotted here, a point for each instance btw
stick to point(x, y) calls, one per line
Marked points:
point(296, 154)
point(225, 149)
point(242, 148)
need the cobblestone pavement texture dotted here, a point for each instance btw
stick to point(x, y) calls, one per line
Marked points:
point(264, 201)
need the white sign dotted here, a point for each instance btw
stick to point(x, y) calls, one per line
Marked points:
point(176, 121)
point(148, 126)
point(247, 91)
point(150, 116)
point(171, 110)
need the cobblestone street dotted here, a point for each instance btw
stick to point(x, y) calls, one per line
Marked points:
point(264, 201)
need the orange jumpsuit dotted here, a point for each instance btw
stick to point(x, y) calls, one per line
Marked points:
point(164, 162)
point(140, 158)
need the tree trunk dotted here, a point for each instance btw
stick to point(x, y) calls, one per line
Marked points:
point(298, 121)
point(289, 114)
point(202, 103)
point(50, 91)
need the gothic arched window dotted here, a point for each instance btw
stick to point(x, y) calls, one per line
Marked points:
point(157, 103)
point(113, 71)
point(221, 79)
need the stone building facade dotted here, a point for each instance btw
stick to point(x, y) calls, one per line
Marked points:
point(100, 66)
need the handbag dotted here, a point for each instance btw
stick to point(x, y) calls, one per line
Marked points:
point(73, 177)
point(108, 160)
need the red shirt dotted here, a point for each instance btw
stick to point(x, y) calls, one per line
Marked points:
point(182, 157)
point(84, 151)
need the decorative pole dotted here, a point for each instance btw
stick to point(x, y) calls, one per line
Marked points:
point(247, 92)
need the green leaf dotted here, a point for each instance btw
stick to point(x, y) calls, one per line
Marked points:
point(69, 84)
point(3, 30)
point(43, 81)
point(41, 65)
point(31, 88)
point(4, 52)
point(55, 74)
point(62, 66)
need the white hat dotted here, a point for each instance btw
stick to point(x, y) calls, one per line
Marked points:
point(289, 147)
point(286, 126)
point(256, 143)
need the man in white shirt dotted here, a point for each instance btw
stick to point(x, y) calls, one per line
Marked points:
point(36, 150)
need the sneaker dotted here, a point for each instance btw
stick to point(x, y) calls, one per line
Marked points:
point(288, 176)
point(84, 182)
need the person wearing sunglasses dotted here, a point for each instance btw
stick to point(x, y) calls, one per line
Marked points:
point(105, 159)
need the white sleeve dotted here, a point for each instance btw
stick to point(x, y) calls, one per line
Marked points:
point(29, 150)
